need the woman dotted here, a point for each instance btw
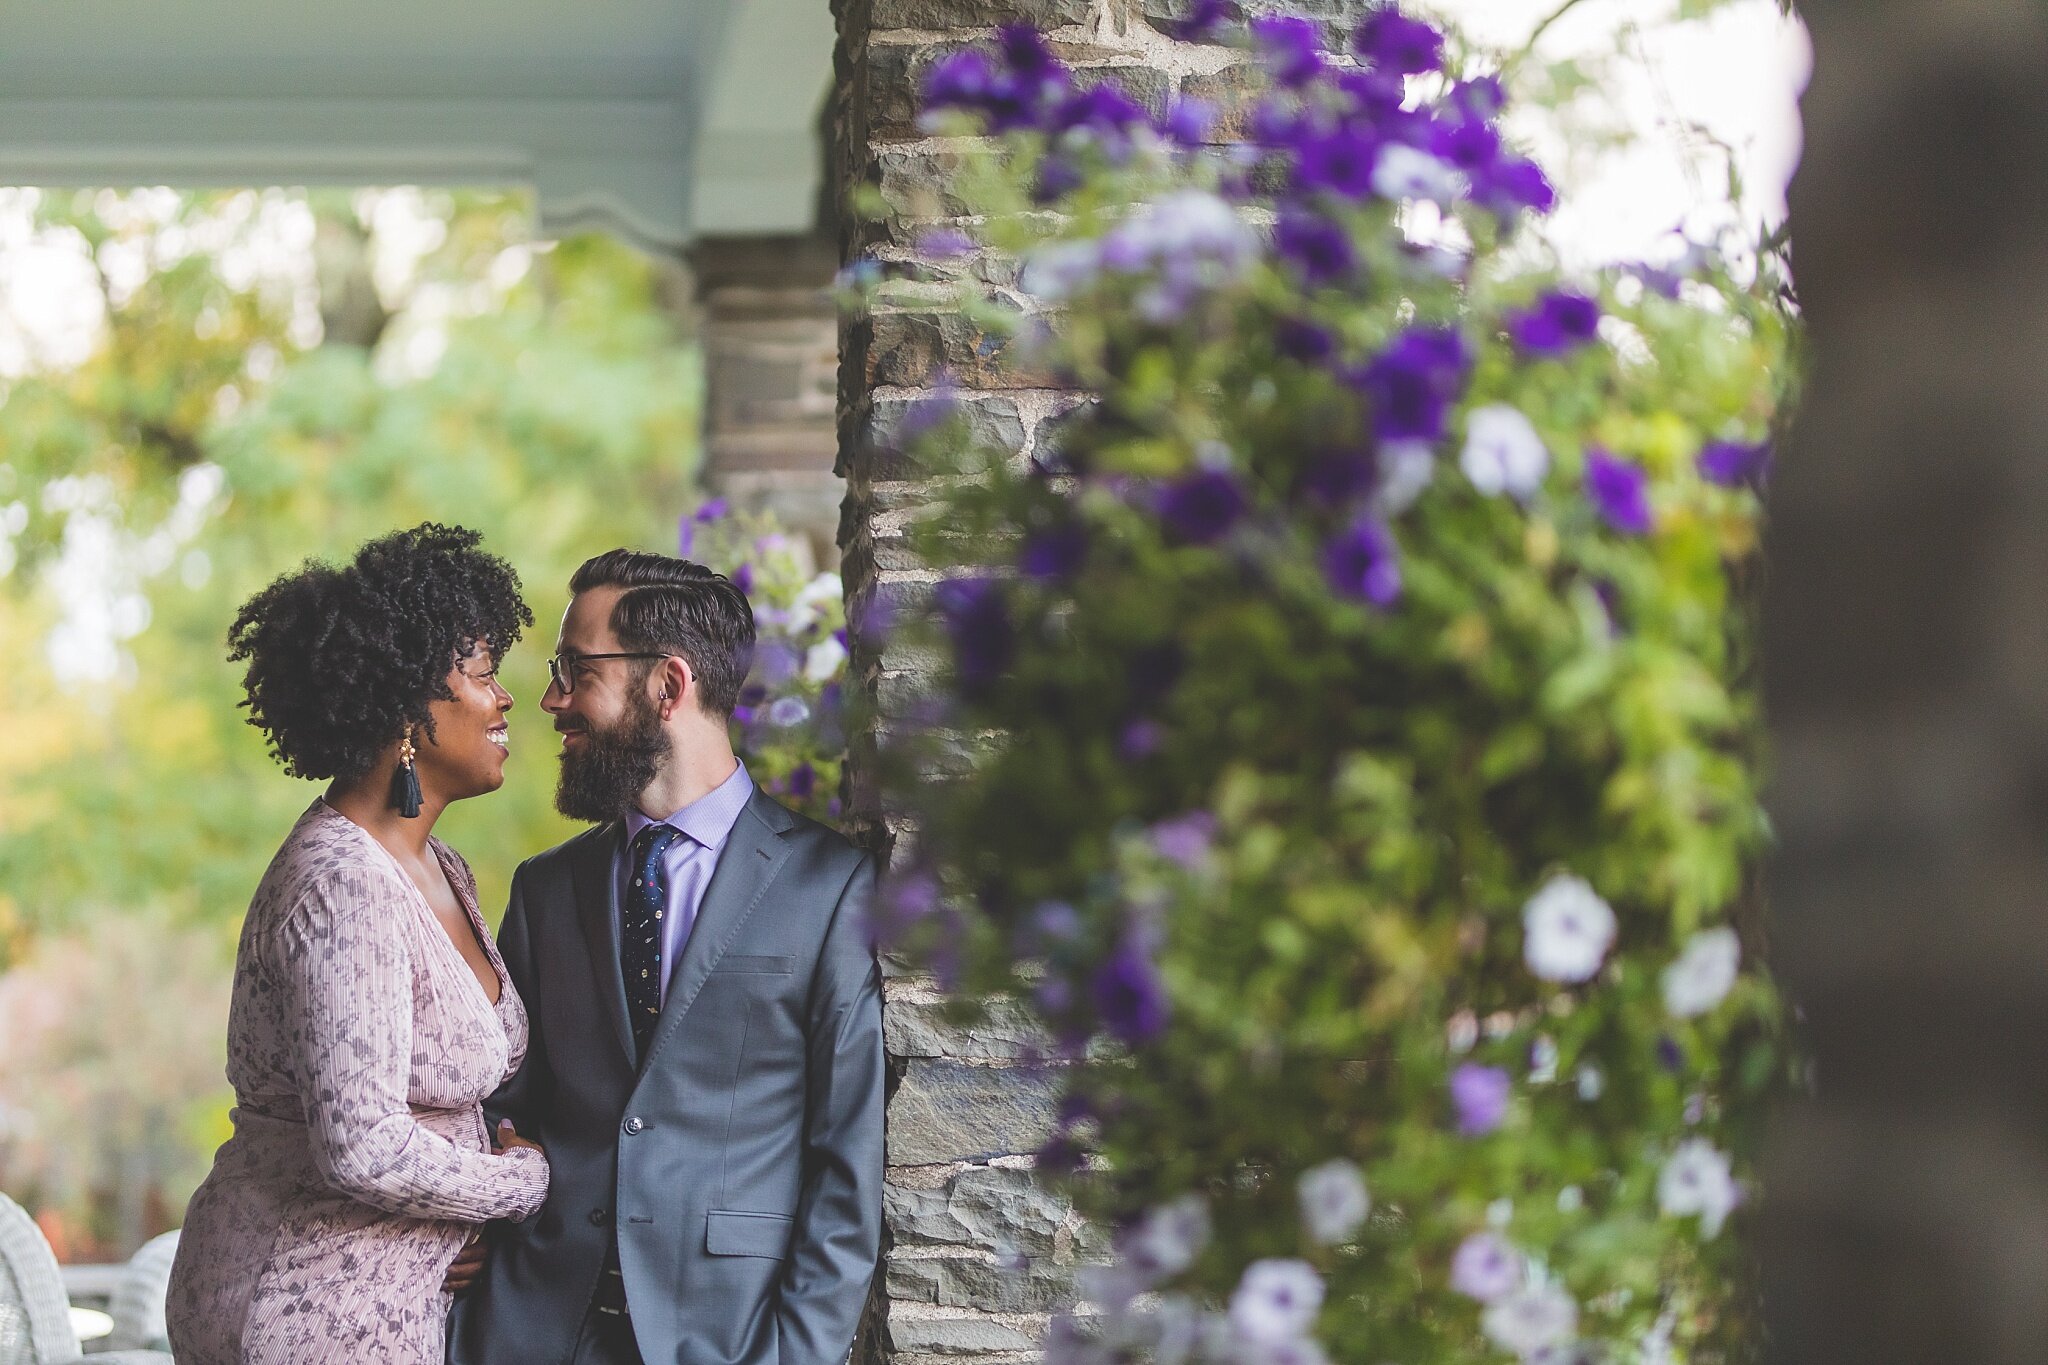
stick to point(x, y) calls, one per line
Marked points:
point(371, 1011)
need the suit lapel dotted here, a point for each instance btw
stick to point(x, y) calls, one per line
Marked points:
point(754, 852)
point(597, 904)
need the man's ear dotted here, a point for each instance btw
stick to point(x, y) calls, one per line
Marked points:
point(675, 684)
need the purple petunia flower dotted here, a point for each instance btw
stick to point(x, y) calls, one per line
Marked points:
point(1479, 1094)
point(1184, 839)
point(1669, 1055)
point(1140, 739)
point(1360, 561)
point(1318, 248)
point(1413, 383)
point(1291, 48)
point(1735, 464)
point(977, 620)
point(1376, 96)
point(907, 899)
point(1511, 185)
point(1620, 492)
point(803, 780)
point(1058, 176)
point(1051, 553)
point(963, 80)
point(1130, 999)
point(743, 578)
point(775, 662)
point(944, 244)
point(1101, 111)
point(1561, 321)
point(1027, 55)
point(1391, 41)
point(1479, 98)
point(1201, 508)
point(1333, 478)
point(1298, 339)
point(1188, 121)
point(1469, 144)
point(1202, 20)
point(1340, 162)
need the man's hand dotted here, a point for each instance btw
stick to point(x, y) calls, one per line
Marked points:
point(468, 1266)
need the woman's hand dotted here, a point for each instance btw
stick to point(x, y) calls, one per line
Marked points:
point(507, 1138)
point(468, 1265)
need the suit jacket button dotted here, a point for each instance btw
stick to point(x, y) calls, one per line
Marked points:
point(598, 1217)
point(635, 1124)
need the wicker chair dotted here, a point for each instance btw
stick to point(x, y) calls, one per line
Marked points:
point(35, 1319)
point(138, 1301)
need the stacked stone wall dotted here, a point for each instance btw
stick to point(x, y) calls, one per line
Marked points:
point(769, 329)
point(979, 1256)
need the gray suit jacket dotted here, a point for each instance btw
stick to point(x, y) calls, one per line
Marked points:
point(740, 1164)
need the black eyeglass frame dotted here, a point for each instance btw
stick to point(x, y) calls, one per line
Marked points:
point(564, 679)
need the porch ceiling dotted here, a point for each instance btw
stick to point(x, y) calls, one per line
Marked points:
point(663, 120)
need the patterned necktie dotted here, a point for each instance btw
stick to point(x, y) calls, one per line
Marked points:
point(645, 913)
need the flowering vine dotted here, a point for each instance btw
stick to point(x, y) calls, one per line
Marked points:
point(789, 727)
point(1362, 761)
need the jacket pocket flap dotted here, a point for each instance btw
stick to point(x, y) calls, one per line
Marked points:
point(747, 1234)
point(773, 966)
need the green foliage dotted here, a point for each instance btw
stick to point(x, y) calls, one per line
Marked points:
point(561, 419)
point(1290, 843)
point(207, 443)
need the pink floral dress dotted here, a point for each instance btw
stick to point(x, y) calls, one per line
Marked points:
point(360, 1047)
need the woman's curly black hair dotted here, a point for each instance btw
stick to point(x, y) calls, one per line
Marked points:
point(341, 660)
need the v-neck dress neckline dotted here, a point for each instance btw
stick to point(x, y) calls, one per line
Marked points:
point(446, 859)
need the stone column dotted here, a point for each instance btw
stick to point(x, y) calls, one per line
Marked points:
point(1906, 654)
point(769, 328)
point(978, 1254)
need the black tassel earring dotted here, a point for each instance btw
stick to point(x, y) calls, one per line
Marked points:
point(405, 782)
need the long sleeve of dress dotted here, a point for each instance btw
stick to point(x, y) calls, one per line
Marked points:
point(347, 974)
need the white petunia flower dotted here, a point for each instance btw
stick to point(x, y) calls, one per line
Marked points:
point(787, 711)
point(1529, 1320)
point(1485, 1267)
point(1503, 453)
point(1405, 469)
point(1404, 172)
point(1166, 1240)
point(1173, 1330)
point(1334, 1201)
point(1566, 930)
point(1703, 974)
point(822, 660)
point(1698, 1179)
point(1276, 1301)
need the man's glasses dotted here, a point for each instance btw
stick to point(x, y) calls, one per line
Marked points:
point(562, 668)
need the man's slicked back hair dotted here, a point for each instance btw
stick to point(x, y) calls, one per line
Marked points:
point(672, 606)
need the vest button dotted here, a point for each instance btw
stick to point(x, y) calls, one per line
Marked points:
point(635, 1124)
point(598, 1218)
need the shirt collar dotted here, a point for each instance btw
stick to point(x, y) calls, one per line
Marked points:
point(710, 818)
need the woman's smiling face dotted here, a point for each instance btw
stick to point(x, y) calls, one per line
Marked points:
point(471, 741)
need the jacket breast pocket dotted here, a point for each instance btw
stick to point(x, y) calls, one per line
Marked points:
point(754, 966)
point(731, 1233)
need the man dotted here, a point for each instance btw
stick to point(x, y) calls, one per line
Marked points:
point(705, 1067)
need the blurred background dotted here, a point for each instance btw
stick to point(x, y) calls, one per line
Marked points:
point(247, 378)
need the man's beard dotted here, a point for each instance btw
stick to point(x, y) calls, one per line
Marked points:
point(604, 778)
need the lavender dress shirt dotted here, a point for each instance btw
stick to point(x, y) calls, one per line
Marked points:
point(706, 823)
